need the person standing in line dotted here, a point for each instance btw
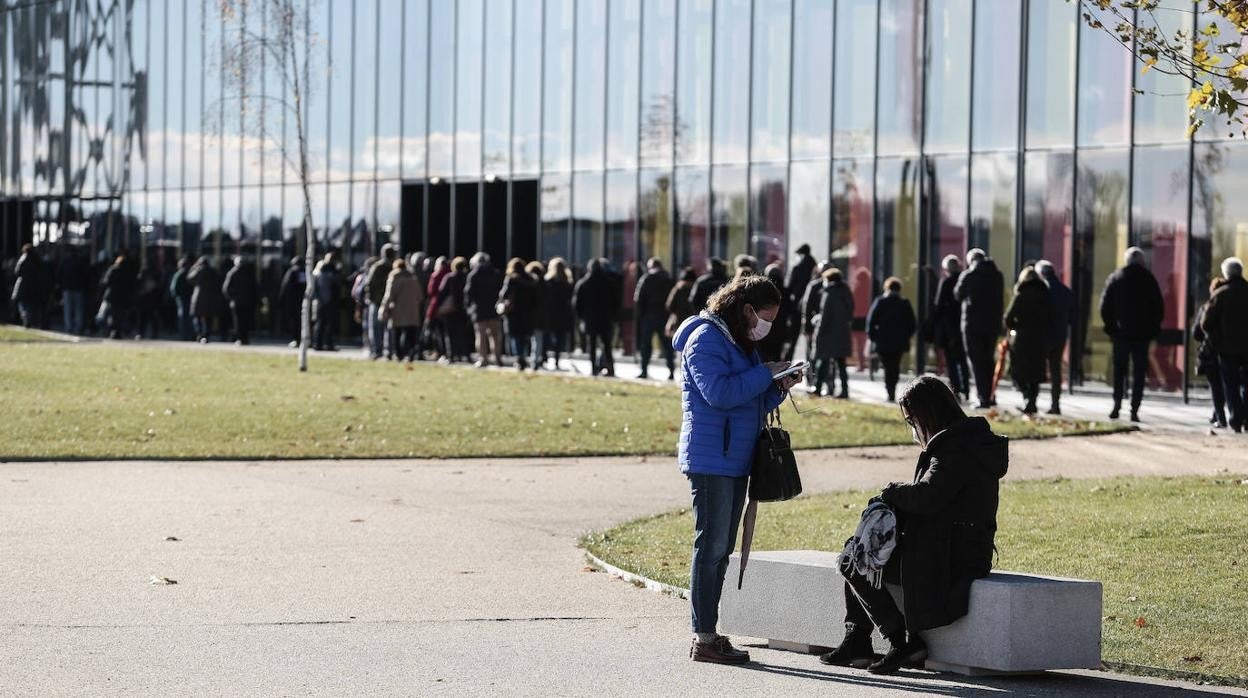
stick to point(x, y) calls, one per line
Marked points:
point(435, 329)
point(241, 291)
point(650, 304)
point(809, 308)
point(1062, 307)
point(745, 265)
point(517, 301)
point(677, 304)
point(1207, 359)
point(377, 276)
point(481, 294)
point(715, 277)
point(1132, 309)
point(891, 325)
point(180, 288)
point(947, 331)
point(981, 291)
point(800, 275)
point(772, 347)
point(147, 302)
point(30, 287)
point(207, 303)
point(327, 282)
point(558, 304)
point(401, 307)
point(72, 278)
point(1225, 321)
point(1029, 319)
point(452, 303)
point(118, 285)
point(596, 299)
point(290, 300)
point(726, 390)
point(541, 313)
point(833, 335)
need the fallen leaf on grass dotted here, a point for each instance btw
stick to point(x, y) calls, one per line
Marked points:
point(161, 581)
point(346, 398)
point(1140, 622)
point(1193, 659)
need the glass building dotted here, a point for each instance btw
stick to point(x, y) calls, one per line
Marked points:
point(885, 134)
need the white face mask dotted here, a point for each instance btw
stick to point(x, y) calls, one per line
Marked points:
point(760, 330)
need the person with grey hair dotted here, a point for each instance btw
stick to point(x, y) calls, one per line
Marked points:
point(981, 291)
point(1132, 308)
point(481, 296)
point(377, 275)
point(1225, 323)
point(946, 333)
point(1062, 313)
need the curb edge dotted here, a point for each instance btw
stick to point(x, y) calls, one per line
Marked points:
point(635, 579)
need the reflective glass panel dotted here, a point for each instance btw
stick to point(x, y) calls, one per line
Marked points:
point(468, 47)
point(1051, 27)
point(342, 26)
point(731, 100)
point(655, 206)
point(557, 87)
point(1159, 224)
point(768, 213)
point(947, 187)
point(693, 217)
point(1048, 182)
point(994, 211)
point(415, 82)
point(591, 41)
point(897, 222)
point(948, 90)
point(316, 115)
point(729, 203)
point(365, 87)
point(994, 95)
point(1161, 104)
point(623, 82)
point(769, 92)
point(383, 144)
point(693, 101)
point(1219, 214)
point(1100, 240)
point(658, 95)
point(441, 87)
point(527, 96)
point(496, 136)
point(853, 103)
point(172, 138)
point(812, 78)
point(899, 105)
point(621, 217)
point(1104, 84)
point(853, 238)
point(587, 217)
point(810, 208)
point(556, 210)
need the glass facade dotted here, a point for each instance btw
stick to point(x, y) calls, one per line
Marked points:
point(885, 134)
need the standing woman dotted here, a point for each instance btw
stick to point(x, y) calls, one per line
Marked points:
point(1207, 360)
point(727, 390)
point(401, 306)
point(434, 329)
point(833, 334)
point(558, 304)
point(890, 325)
point(1028, 319)
point(517, 301)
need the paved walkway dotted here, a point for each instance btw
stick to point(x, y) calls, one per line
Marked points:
point(418, 577)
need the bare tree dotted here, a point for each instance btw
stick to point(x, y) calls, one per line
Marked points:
point(286, 41)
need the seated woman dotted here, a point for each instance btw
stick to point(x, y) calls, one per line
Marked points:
point(946, 520)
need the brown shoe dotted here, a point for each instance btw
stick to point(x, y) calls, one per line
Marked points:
point(719, 651)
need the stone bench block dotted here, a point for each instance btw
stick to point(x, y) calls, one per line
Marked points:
point(1018, 623)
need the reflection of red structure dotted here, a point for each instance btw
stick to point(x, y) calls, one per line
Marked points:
point(852, 248)
point(1169, 265)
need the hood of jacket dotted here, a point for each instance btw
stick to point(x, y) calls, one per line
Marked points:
point(686, 329)
point(973, 440)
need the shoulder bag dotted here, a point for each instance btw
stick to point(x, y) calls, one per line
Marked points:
point(773, 478)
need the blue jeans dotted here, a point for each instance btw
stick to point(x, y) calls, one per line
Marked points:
point(717, 504)
point(74, 303)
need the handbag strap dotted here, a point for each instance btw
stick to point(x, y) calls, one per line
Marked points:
point(747, 537)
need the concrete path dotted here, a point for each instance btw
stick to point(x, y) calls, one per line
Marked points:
point(417, 577)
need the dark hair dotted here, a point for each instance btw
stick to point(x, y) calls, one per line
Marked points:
point(833, 274)
point(730, 300)
point(689, 274)
point(893, 284)
point(930, 406)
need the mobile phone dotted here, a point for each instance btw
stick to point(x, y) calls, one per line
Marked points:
point(795, 368)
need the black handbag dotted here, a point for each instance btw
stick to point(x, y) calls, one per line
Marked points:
point(773, 478)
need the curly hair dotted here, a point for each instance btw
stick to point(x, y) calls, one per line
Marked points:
point(759, 292)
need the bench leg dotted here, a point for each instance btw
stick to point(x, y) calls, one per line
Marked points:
point(799, 647)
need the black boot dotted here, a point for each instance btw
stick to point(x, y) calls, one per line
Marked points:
point(855, 650)
point(901, 654)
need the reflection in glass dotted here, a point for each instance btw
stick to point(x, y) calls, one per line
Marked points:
point(812, 78)
point(948, 90)
point(557, 87)
point(655, 206)
point(1104, 84)
point(899, 105)
point(658, 97)
point(527, 98)
point(994, 186)
point(768, 212)
point(731, 102)
point(729, 202)
point(1048, 183)
point(621, 217)
point(441, 87)
point(947, 187)
point(693, 217)
point(810, 209)
point(339, 90)
point(693, 60)
point(853, 238)
point(1051, 30)
point(1159, 224)
point(994, 105)
point(365, 88)
point(591, 25)
point(853, 103)
point(468, 75)
point(1161, 104)
point(770, 90)
point(1100, 240)
point(556, 211)
point(587, 217)
point(496, 133)
point(897, 222)
point(384, 147)
point(415, 80)
point(623, 82)
point(1219, 213)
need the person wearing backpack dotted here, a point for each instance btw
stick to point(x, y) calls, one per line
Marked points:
point(726, 391)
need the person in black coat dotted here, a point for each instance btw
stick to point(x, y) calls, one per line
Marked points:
point(947, 328)
point(118, 287)
point(327, 299)
point(147, 301)
point(241, 290)
point(710, 282)
point(810, 306)
point(947, 521)
point(30, 287)
point(1207, 359)
point(772, 347)
point(891, 325)
point(650, 303)
point(800, 276)
point(180, 290)
point(1132, 308)
point(518, 302)
point(481, 290)
point(71, 276)
point(1062, 307)
point(596, 300)
point(1029, 319)
point(981, 291)
point(1225, 321)
point(290, 299)
point(556, 302)
point(207, 303)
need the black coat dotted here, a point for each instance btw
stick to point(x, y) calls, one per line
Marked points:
point(703, 288)
point(947, 316)
point(119, 284)
point(650, 298)
point(948, 520)
point(481, 292)
point(1225, 320)
point(1131, 304)
point(556, 301)
point(812, 302)
point(30, 280)
point(290, 293)
point(1030, 316)
point(799, 278)
point(890, 324)
point(522, 293)
point(981, 291)
point(597, 298)
point(240, 287)
point(678, 306)
point(206, 299)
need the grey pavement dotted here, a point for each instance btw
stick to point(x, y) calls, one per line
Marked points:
point(420, 577)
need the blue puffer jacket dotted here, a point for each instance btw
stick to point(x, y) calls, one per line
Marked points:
point(725, 395)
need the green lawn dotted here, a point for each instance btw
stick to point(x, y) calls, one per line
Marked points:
point(101, 401)
point(15, 333)
point(1172, 554)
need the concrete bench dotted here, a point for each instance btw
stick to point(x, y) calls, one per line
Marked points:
point(1018, 623)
